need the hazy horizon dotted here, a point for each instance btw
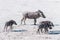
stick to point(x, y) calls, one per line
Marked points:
point(12, 9)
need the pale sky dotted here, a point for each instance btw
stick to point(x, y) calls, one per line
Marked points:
point(51, 8)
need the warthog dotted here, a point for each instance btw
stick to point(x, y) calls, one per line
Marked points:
point(45, 25)
point(9, 24)
point(32, 15)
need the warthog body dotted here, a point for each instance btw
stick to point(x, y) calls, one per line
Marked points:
point(45, 25)
point(32, 15)
point(9, 24)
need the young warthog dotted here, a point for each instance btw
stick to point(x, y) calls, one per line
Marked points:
point(45, 25)
point(9, 24)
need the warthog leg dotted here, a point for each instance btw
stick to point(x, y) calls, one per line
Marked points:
point(11, 28)
point(5, 28)
point(41, 30)
point(34, 21)
point(38, 31)
point(46, 30)
point(23, 19)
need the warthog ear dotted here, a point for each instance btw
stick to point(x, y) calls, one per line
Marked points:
point(51, 24)
point(40, 11)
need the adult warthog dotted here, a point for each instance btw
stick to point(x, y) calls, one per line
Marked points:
point(32, 15)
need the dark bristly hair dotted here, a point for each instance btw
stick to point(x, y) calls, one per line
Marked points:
point(33, 15)
point(42, 14)
point(9, 24)
point(45, 25)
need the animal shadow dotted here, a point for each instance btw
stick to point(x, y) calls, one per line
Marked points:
point(54, 32)
point(19, 30)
